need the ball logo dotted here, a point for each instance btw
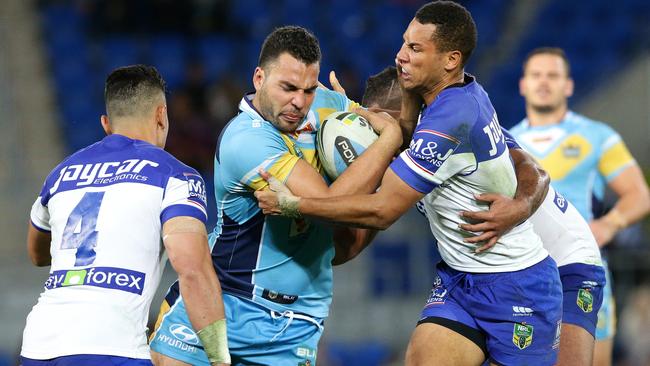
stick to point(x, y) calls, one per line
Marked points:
point(345, 149)
point(184, 333)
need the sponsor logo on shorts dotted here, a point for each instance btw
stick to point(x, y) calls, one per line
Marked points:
point(585, 300)
point(522, 335)
point(307, 353)
point(522, 311)
point(437, 296)
point(184, 333)
point(105, 277)
point(176, 343)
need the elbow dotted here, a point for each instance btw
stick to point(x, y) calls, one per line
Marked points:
point(646, 201)
point(384, 217)
point(40, 261)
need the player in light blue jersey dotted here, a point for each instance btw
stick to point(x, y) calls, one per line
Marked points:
point(100, 222)
point(582, 157)
point(276, 272)
point(501, 304)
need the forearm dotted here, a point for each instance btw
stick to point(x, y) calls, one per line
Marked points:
point(349, 242)
point(629, 209)
point(532, 182)
point(364, 175)
point(359, 210)
point(202, 295)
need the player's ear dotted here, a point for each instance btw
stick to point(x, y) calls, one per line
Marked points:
point(106, 124)
point(568, 90)
point(258, 78)
point(454, 60)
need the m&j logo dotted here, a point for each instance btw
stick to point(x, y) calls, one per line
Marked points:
point(105, 277)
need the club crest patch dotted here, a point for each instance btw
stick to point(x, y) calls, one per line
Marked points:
point(522, 335)
point(585, 300)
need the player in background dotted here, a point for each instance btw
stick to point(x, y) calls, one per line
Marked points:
point(565, 234)
point(457, 151)
point(99, 222)
point(582, 157)
point(276, 272)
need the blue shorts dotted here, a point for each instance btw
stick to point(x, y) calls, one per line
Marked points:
point(514, 317)
point(256, 335)
point(86, 360)
point(582, 286)
point(606, 327)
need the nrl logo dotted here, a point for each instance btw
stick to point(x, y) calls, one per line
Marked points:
point(522, 335)
point(585, 300)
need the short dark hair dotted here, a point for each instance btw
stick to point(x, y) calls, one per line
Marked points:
point(296, 41)
point(132, 90)
point(383, 90)
point(455, 28)
point(556, 51)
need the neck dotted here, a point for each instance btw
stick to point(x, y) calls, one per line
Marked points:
point(450, 79)
point(134, 129)
point(537, 117)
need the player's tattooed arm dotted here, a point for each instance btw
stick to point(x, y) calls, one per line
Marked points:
point(505, 212)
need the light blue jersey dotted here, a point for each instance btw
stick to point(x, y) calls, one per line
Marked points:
point(280, 263)
point(580, 155)
point(275, 272)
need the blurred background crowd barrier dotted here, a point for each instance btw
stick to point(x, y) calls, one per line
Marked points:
point(55, 55)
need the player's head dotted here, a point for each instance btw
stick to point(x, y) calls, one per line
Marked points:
point(546, 82)
point(438, 41)
point(383, 90)
point(135, 99)
point(286, 77)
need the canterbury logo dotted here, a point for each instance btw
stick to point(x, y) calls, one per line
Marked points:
point(520, 310)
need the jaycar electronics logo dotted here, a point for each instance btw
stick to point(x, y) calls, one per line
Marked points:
point(106, 277)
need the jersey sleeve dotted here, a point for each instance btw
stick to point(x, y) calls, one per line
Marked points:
point(511, 142)
point(440, 147)
point(614, 157)
point(248, 152)
point(40, 216)
point(185, 195)
point(328, 102)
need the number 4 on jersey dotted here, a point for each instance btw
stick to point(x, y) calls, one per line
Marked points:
point(79, 232)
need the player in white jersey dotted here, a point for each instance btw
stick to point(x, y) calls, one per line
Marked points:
point(101, 221)
point(457, 151)
point(565, 234)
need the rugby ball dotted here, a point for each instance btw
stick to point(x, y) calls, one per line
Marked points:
point(342, 137)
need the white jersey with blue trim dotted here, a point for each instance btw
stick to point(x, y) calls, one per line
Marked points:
point(104, 207)
point(458, 151)
point(564, 232)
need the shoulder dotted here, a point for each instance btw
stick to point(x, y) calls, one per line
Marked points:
point(518, 128)
point(596, 130)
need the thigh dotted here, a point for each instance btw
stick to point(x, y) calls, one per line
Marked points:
point(603, 352)
point(175, 338)
point(582, 288)
point(433, 344)
point(520, 313)
point(576, 346)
